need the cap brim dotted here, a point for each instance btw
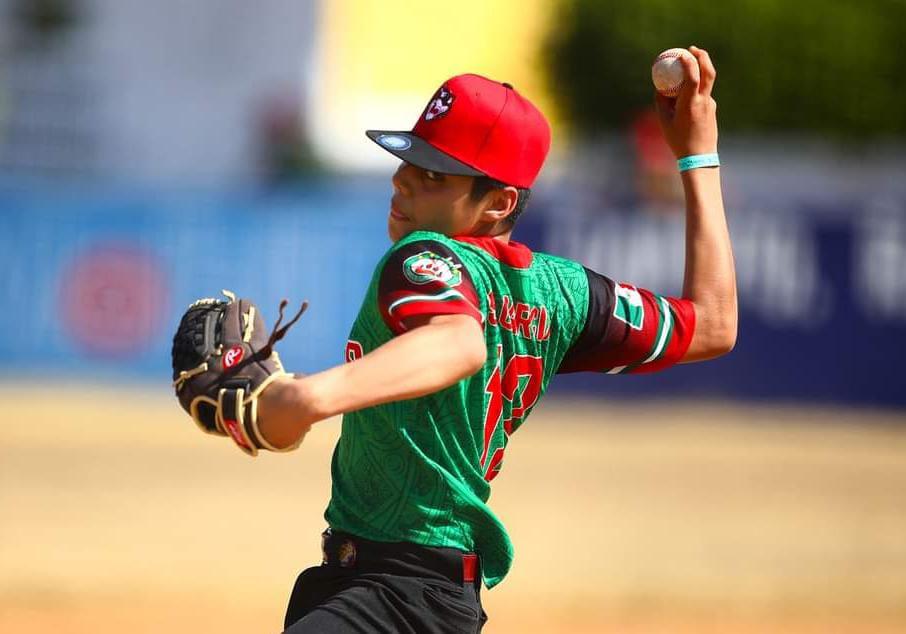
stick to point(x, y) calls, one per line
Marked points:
point(420, 153)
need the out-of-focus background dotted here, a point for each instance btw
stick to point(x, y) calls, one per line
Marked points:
point(156, 152)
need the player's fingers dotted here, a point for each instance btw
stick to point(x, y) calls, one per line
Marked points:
point(665, 107)
point(707, 70)
point(692, 78)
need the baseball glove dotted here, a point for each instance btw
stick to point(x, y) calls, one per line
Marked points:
point(223, 358)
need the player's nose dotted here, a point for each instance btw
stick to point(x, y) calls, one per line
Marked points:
point(399, 178)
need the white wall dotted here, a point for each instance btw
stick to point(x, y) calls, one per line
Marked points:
point(162, 92)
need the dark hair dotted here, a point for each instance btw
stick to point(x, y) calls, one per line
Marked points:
point(483, 184)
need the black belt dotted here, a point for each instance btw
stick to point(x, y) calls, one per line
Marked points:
point(403, 558)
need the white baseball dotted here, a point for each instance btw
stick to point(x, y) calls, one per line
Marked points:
point(667, 71)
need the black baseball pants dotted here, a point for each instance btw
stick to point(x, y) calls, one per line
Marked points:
point(373, 587)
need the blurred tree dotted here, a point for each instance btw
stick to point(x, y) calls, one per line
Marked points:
point(831, 68)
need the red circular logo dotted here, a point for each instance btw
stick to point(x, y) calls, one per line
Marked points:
point(232, 357)
point(114, 299)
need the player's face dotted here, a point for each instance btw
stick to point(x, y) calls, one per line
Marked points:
point(425, 200)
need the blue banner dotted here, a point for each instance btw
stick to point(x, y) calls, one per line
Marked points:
point(95, 281)
point(822, 298)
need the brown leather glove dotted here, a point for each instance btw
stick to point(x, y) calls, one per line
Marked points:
point(223, 358)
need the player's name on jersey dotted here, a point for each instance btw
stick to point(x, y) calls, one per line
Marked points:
point(523, 320)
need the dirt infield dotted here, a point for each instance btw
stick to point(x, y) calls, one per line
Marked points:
point(117, 515)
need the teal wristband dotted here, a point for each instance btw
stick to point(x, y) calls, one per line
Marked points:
point(698, 160)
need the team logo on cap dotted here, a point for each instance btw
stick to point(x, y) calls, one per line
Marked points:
point(394, 142)
point(440, 104)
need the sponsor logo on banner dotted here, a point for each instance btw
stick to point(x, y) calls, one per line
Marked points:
point(114, 299)
point(427, 266)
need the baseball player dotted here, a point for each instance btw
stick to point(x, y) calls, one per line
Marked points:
point(459, 335)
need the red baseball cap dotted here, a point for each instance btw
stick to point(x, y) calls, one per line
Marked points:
point(474, 126)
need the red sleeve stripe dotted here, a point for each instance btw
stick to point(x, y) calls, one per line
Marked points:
point(665, 329)
point(449, 294)
point(682, 326)
point(448, 302)
point(661, 332)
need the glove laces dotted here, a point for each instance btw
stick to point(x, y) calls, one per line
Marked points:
point(279, 332)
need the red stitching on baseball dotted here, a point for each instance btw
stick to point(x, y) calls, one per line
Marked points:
point(672, 55)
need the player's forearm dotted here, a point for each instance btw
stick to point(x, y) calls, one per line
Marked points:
point(421, 361)
point(710, 278)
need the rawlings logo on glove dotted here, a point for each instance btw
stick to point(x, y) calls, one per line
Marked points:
point(223, 359)
point(232, 357)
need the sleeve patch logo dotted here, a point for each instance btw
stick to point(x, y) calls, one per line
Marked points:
point(628, 306)
point(427, 266)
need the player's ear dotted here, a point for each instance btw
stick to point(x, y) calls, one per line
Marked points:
point(499, 203)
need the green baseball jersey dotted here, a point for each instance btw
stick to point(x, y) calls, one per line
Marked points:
point(419, 470)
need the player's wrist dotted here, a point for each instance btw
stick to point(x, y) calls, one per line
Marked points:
point(691, 148)
point(701, 180)
point(693, 139)
point(697, 161)
point(315, 394)
point(701, 188)
point(281, 415)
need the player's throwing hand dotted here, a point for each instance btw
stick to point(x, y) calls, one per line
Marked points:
point(689, 121)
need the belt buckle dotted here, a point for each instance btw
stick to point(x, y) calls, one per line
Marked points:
point(345, 551)
point(346, 554)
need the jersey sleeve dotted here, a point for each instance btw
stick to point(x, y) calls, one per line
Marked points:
point(629, 330)
point(425, 277)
